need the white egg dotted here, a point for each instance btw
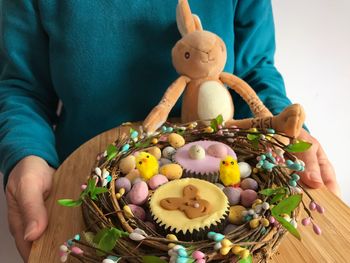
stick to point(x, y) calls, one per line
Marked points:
point(196, 152)
point(245, 169)
point(168, 152)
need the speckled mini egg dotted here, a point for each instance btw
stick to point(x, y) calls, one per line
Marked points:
point(171, 171)
point(217, 150)
point(168, 152)
point(233, 195)
point(163, 161)
point(155, 151)
point(127, 164)
point(138, 194)
point(157, 181)
point(196, 152)
point(176, 140)
point(138, 211)
point(133, 175)
point(123, 182)
point(235, 216)
point(248, 197)
point(245, 169)
point(249, 183)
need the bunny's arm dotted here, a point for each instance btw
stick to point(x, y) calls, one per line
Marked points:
point(159, 114)
point(247, 93)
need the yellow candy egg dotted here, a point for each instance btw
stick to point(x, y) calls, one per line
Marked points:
point(235, 216)
point(127, 164)
point(226, 243)
point(155, 151)
point(244, 253)
point(127, 211)
point(133, 175)
point(171, 237)
point(265, 222)
point(237, 249)
point(254, 223)
point(176, 140)
point(225, 250)
point(171, 171)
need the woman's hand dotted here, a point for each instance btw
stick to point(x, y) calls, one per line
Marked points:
point(28, 186)
point(318, 169)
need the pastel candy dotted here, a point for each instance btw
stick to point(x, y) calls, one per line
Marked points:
point(249, 183)
point(157, 181)
point(235, 216)
point(138, 211)
point(196, 152)
point(245, 169)
point(127, 164)
point(233, 195)
point(123, 182)
point(217, 150)
point(138, 194)
point(133, 175)
point(229, 228)
point(176, 140)
point(155, 151)
point(163, 161)
point(248, 197)
point(168, 152)
point(171, 171)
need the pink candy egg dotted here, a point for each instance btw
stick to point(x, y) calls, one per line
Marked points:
point(217, 150)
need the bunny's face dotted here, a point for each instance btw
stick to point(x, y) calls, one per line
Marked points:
point(199, 54)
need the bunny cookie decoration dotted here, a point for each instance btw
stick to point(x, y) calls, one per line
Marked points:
point(199, 57)
point(191, 204)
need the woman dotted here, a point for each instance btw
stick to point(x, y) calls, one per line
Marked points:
point(87, 54)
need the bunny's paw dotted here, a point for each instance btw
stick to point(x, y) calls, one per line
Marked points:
point(290, 121)
point(155, 119)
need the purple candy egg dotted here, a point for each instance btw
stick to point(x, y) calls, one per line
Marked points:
point(123, 182)
point(138, 211)
point(248, 197)
point(138, 194)
point(249, 183)
point(157, 181)
point(233, 195)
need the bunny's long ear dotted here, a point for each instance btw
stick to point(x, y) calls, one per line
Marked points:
point(186, 22)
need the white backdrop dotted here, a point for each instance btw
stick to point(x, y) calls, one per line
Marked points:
point(313, 55)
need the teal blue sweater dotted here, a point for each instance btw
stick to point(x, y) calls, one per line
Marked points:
point(109, 61)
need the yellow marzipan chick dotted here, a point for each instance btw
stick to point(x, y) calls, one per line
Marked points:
point(147, 165)
point(229, 171)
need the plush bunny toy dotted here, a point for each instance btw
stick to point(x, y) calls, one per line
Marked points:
point(199, 57)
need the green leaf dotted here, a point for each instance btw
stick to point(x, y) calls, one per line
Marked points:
point(273, 191)
point(277, 197)
point(111, 152)
point(97, 191)
point(152, 259)
point(70, 202)
point(246, 260)
point(108, 238)
point(288, 226)
point(219, 119)
point(143, 144)
point(91, 185)
point(286, 206)
point(100, 234)
point(299, 146)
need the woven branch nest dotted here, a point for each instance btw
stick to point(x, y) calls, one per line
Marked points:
point(109, 211)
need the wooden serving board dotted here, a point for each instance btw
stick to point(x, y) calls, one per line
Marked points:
point(332, 246)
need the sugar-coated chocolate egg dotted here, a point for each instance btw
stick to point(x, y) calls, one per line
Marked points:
point(217, 150)
point(157, 181)
point(248, 197)
point(176, 140)
point(171, 171)
point(155, 151)
point(168, 152)
point(138, 194)
point(235, 216)
point(196, 152)
point(233, 195)
point(163, 161)
point(249, 183)
point(134, 174)
point(229, 228)
point(127, 164)
point(123, 182)
point(245, 169)
point(138, 211)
